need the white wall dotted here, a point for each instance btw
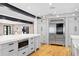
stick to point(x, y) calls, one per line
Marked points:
point(17, 28)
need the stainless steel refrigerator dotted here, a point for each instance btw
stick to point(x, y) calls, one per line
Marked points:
point(56, 33)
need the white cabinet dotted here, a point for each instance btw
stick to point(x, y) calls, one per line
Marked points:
point(31, 45)
point(73, 25)
point(23, 52)
point(31, 48)
point(74, 50)
point(9, 45)
point(9, 49)
point(37, 42)
point(9, 52)
point(72, 28)
point(12, 48)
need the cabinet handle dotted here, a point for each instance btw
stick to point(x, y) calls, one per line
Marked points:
point(11, 43)
point(23, 52)
point(31, 48)
point(11, 50)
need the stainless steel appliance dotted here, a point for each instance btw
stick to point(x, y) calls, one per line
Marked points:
point(23, 44)
point(56, 33)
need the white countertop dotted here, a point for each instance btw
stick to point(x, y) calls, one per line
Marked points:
point(16, 37)
point(75, 36)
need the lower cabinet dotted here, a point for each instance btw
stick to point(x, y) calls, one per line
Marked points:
point(11, 48)
point(31, 45)
point(9, 52)
point(23, 52)
point(31, 49)
point(37, 42)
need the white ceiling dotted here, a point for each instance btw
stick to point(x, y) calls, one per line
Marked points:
point(40, 9)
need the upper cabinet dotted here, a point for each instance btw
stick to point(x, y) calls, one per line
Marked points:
point(73, 25)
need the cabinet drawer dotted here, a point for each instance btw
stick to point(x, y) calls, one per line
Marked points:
point(10, 52)
point(23, 52)
point(31, 43)
point(8, 45)
point(31, 48)
point(31, 39)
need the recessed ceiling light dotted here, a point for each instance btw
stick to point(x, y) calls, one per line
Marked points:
point(50, 4)
point(57, 16)
point(29, 7)
point(76, 9)
point(73, 14)
point(44, 17)
point(54, 12)
point(38, 13)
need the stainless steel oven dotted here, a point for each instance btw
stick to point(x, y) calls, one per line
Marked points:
point(23, 44)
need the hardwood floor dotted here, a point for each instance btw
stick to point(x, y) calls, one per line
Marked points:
point(52, 50)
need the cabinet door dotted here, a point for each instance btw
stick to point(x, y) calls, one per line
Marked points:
point(77, 25)
point(44, 31)
point(10, 45)
point(31, 45)
point(37, 42)
point(72, 26)
point(9, 49)
point(23, 52)
point(10, 52)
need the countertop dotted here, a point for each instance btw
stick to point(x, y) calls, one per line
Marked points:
point(16, 37)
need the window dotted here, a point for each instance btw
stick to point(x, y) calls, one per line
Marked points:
point(25, 30)
point(7, 30)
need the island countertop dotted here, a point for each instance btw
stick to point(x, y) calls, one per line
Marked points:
point(16, 37)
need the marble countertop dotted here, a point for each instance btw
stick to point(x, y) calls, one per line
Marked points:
point(16, 37)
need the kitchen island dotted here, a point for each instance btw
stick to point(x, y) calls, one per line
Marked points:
point(19, 44)
point(75, 45)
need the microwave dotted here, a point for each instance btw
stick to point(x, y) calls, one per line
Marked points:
point(23, 43)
